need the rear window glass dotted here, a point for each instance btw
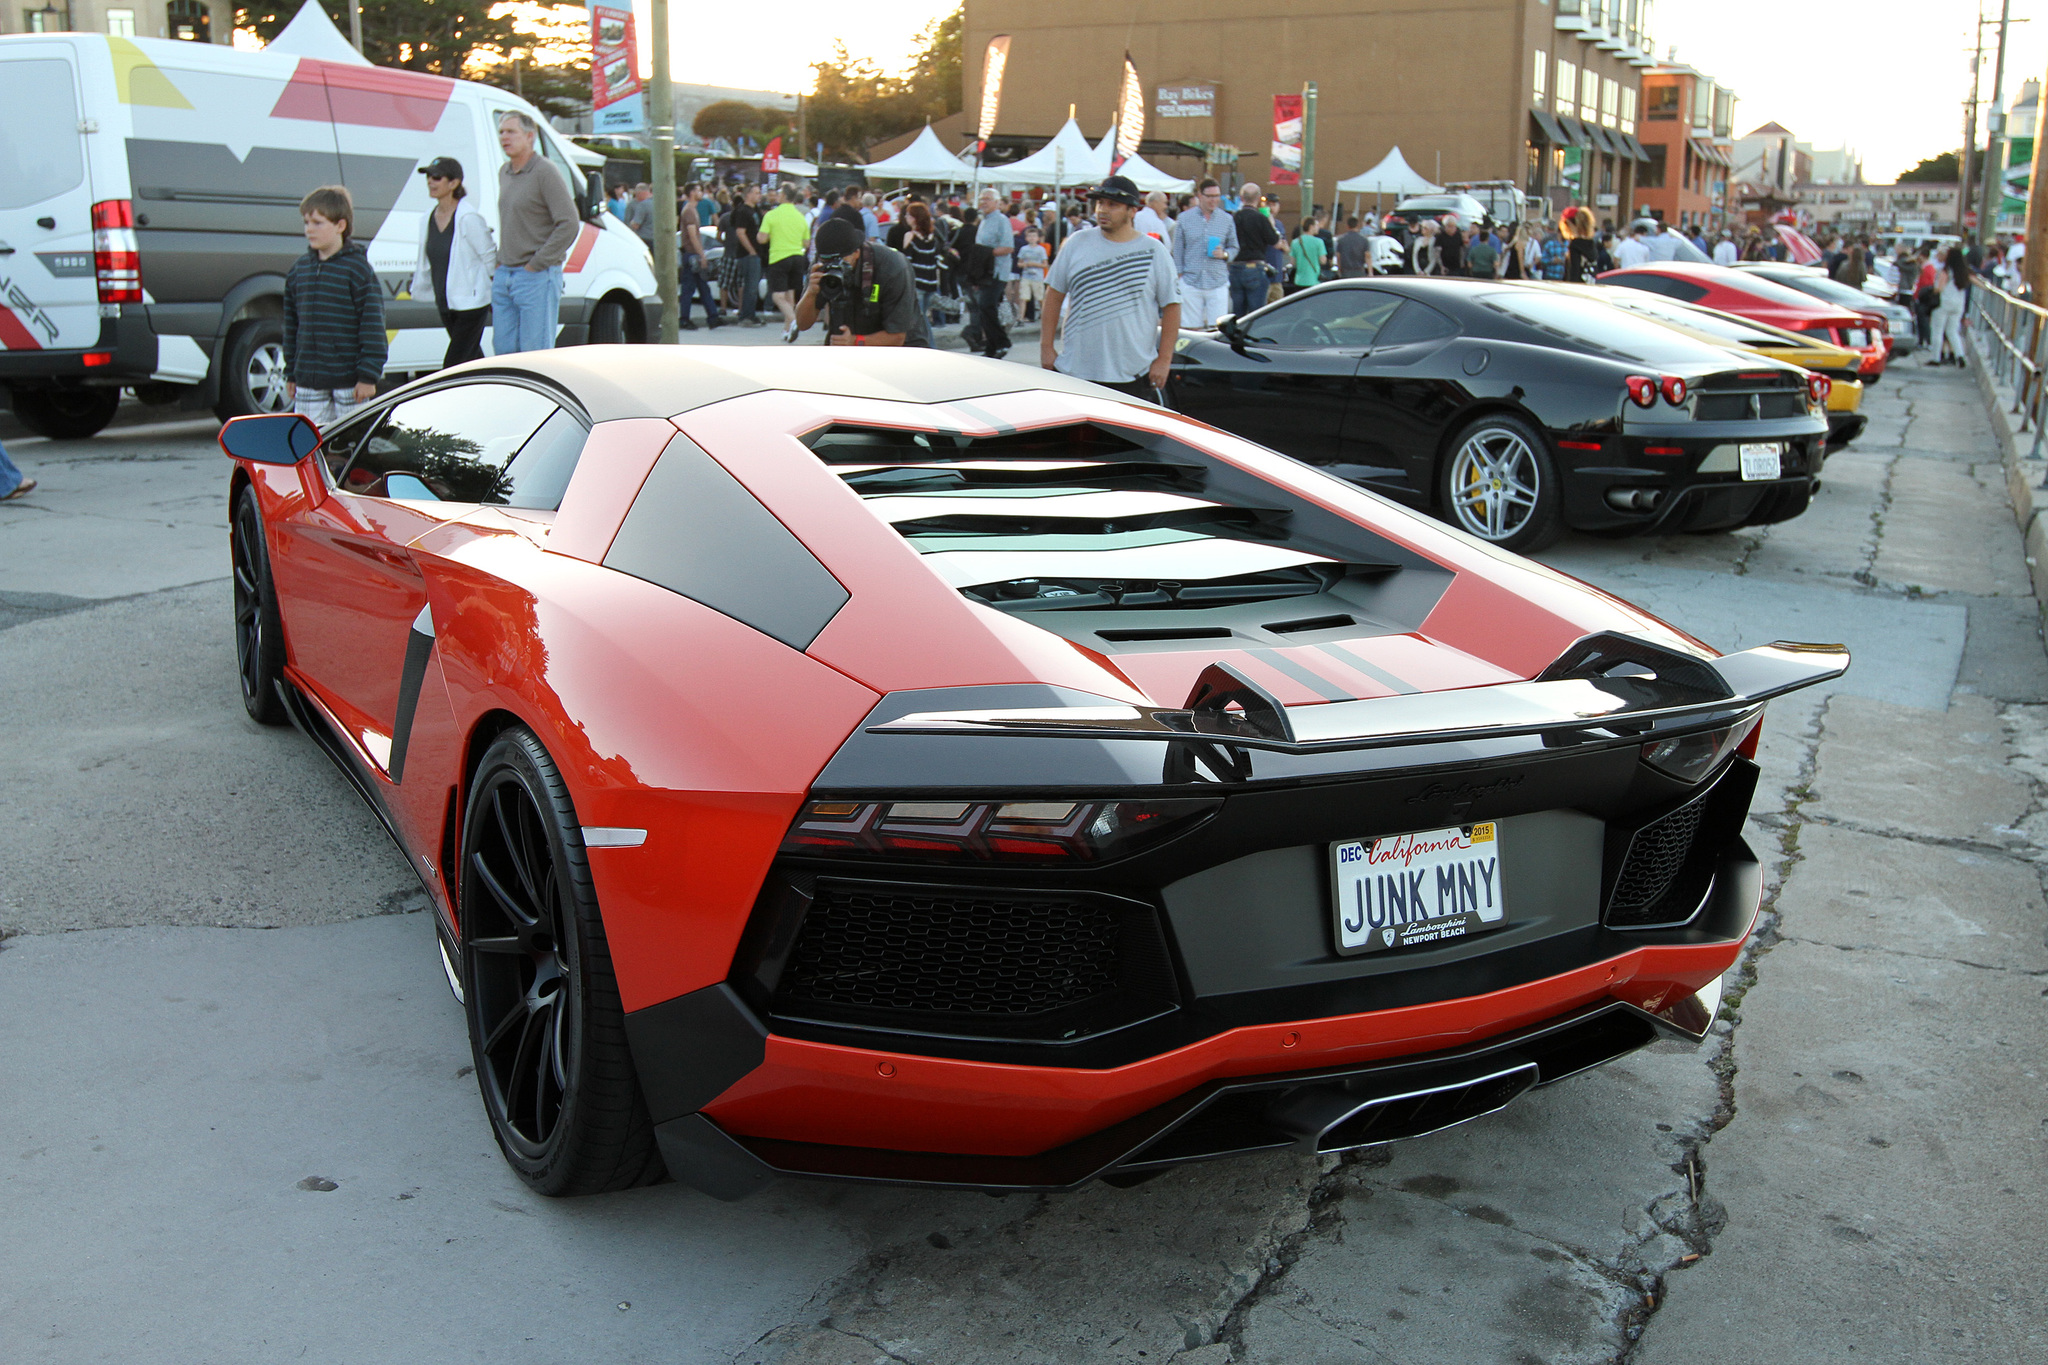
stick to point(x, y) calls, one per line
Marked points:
point(40, 156)
point(1594, 324)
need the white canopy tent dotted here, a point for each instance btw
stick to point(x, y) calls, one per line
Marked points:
point(1066, 160)
point(1136, 169)
point(926, 158)
point(1392, 176)
point(795, 166)
point(312, 34)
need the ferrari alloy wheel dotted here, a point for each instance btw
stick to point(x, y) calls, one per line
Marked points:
point(1500, 485)
point(545, 1026)
point(259, 636)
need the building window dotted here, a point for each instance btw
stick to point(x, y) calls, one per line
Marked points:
point(1541, 87)
point(120, 23)
point(1567, 85)
point(189, 21)
point(1628, 110)
point(46, 21)
point(1650, 174)
point(1589, 94)
point(1610, 101)
point(1663, 102)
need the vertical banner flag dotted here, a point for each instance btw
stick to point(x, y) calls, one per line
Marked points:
point(616, 104)
point(1286, 140)
point(991, 89)
point(771, 158)
point(1130, 116)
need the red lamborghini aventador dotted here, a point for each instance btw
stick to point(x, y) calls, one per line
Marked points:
point(905, 767)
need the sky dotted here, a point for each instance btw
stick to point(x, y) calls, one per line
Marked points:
point(1885, 77)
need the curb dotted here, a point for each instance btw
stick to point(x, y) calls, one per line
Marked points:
point(2028, 500)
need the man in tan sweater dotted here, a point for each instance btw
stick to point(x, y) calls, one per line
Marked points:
point(537, 225)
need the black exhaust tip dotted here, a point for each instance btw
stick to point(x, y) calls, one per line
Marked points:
point(1337, 1115)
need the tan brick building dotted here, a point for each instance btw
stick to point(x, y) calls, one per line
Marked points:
point(192, 20)
point(1468, 89)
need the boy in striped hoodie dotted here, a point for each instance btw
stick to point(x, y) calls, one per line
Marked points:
point(334, 345)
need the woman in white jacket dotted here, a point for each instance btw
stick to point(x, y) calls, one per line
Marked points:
point(457, 255)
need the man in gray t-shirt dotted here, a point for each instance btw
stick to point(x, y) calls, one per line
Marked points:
point(1114, 290)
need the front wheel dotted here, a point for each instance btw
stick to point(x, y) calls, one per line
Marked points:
point(608, 323)
point(66, 414)
point(545, 1025)
point(1501, 485)
point(252, 377)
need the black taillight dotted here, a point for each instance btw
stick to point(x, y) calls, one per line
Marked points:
point(1022, 830)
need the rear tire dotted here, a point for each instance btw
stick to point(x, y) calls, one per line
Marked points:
point(252, 370)
point(546, 1029)
point(66, 414)
point(608, 323)
point(259, 630)
point(1498, 482)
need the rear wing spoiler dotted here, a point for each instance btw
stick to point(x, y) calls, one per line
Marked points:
point(1605, 687)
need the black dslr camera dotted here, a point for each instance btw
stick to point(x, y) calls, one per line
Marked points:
point(838, 276)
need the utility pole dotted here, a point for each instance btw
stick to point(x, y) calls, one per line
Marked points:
point(355, 24)
point(1992, 196)
point(2035, 264)
point(1308, 149)
point(661, 122)
point(1970, 131)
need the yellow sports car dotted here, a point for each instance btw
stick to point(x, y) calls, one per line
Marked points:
point(1711, 325)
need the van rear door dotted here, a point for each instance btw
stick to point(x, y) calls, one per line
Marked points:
point(49, 299)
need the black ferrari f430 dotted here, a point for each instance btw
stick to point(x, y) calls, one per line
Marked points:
point(1512, 411)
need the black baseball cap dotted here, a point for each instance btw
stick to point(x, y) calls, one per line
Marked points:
point(446, 167)
point(1118, 190)
point(837, 237)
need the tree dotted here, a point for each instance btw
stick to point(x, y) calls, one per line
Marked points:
point(549, 65)
point(437, 36)
point(729, 119)
point(855, 104)
point(1941, 170)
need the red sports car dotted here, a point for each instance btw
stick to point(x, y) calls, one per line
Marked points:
point(907, 767)
point(1747, 294)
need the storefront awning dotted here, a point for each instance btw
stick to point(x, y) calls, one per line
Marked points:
point(1574, 131)
point(1548, 126)
point(1634, 148)
point(1708, 152)
point(1599, 137)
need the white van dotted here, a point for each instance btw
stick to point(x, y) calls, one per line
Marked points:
point(149, 208)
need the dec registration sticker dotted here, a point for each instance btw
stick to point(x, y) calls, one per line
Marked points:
point(1417, 888)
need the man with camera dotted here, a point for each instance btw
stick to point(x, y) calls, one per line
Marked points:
point(865, 290)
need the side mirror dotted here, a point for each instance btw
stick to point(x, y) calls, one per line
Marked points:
point(593, 193)
point(270, 437)
point(1227, 327)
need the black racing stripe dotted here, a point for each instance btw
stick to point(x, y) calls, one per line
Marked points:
point(1374, 671)
point(419, 646)
point(1314, 682)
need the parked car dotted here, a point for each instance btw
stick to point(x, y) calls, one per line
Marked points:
point(906, 767)
point(1896, 318)
point(153, 210)
point(1748, 295)
point(1511, 411)
point(1430, 207)
point(1808, 352)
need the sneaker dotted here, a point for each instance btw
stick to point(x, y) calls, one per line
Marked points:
point(715, 323)
point(21, 490)
point(687, 325)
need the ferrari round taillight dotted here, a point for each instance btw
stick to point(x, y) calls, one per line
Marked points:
point(1642, 390)
point(1673, 389)
point(1818, 386)
point(991, 830)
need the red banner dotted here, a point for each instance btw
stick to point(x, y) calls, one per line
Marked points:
point(614, 56)
point(1286, 140)
point(771, 158)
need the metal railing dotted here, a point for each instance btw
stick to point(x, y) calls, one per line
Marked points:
point(2012, 336)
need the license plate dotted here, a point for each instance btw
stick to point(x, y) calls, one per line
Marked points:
point(1761, 461)
point(1416, 888)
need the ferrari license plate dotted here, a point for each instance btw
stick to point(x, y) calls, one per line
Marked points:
point(1762, 461)
point(1417, 888)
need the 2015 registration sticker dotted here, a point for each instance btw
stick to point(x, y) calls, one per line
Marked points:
point(1416, 888)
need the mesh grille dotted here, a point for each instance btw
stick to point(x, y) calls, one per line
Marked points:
point(1654, 861)
point(952, 952)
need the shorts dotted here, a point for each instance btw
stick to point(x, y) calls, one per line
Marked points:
point(324, 406)
point(786, 276)
point(1031, 291)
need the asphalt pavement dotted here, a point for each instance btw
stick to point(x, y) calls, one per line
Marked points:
point(237, 1121)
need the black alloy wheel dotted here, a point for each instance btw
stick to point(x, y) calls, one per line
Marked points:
point(1498, 482)
point(545, 1026)
point(259, 632)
